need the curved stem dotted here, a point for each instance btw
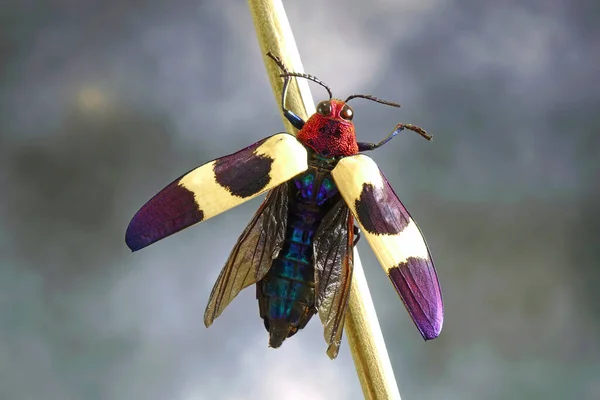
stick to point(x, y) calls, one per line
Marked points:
point(362, 327)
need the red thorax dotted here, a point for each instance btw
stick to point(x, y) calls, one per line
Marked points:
point(329, 135)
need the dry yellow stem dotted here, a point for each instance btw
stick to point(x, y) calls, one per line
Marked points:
point(362, 327)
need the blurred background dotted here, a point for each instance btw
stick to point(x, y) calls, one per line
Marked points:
point(102, 103)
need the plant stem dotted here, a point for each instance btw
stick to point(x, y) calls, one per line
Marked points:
point(362, 327)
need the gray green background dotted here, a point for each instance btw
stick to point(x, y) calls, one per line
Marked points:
point(102, 103)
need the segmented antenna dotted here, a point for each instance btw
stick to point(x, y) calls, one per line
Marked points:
point(372, 98)
point(311, 78)
point(278, 61)
point(287, 74)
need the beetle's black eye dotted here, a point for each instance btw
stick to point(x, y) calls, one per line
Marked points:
point(324, 107)
point(347, 113)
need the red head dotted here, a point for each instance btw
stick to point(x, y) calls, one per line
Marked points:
point(330, 131)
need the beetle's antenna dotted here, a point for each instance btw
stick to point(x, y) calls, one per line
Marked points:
point(287, 73)
point(372, 98)
point(278, 61)
point(310, 78)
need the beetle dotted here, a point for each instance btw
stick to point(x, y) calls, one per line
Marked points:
point(298, 247)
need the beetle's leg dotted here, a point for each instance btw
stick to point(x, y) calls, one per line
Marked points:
point(356, 235)
point(364, 146)
point(294, 119)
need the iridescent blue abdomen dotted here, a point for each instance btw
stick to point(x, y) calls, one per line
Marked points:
point(286, 295)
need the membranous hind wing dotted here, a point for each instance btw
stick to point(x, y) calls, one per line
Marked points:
point(253, 254)
point(395, 239)
point(333, 255)
point(216, 187)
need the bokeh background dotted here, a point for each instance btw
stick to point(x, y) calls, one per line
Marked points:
point(102, 103)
